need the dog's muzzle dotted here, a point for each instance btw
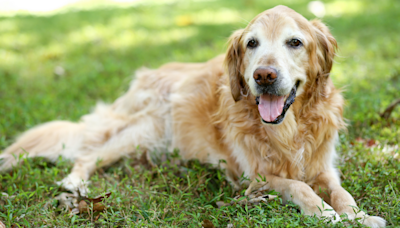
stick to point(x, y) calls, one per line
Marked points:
point(272, 108)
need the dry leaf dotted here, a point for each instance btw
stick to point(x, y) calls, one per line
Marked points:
point(96, 199)
point(253, 195)
point(70, 202)
point(2, 225)
point(99, 207)
point(17, 226)
point(84, 207)
point(207, 224)
point(371, 143)
point(367, 142)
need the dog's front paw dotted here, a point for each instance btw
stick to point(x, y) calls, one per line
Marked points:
point(328, 213)
point(370, 221)
point(331, 215)
point(373, 221)
point(75, 184)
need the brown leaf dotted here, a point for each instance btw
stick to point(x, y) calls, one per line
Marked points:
point(98, 207)
point(371, 143)
point(16, 226)
point(96, 199)
point(207, 224)
point(367, 142)
point(84, 207)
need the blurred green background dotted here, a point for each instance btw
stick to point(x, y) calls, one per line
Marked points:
point(58, 64)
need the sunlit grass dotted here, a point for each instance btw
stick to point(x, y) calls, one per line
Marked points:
point(342, 7)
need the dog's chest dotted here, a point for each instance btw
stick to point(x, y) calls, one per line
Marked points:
point(266, 160)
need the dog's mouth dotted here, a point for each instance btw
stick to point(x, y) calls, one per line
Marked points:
point(273, 108)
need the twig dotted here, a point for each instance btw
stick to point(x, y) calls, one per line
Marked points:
point(386, 114)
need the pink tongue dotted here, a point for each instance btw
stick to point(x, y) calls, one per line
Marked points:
point(270, 106)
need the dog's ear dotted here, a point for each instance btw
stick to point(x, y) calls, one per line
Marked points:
point(326, 47)
point(233, 61)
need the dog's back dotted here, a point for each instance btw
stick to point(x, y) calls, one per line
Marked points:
point(140, 119)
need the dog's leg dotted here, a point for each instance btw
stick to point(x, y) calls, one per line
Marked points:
point(148, 134)
point(84, 166)
point(328, 186)
point(49, 140)
point(303, 195)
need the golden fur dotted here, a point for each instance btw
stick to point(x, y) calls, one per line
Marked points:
point(208, 111)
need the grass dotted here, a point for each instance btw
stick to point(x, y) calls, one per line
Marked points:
point(99, 44)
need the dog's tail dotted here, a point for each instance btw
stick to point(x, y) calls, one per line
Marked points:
point(48, 140)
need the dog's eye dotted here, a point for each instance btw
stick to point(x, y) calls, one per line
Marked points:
point(252, 43)
point(295, 43)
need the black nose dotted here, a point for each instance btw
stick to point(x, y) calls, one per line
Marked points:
point(265, 76)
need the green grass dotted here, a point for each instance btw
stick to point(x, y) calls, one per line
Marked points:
point(99, 45)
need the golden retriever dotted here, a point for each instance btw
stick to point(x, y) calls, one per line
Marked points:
point(267, 107)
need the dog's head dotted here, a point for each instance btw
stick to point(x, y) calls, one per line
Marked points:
point(275, 56)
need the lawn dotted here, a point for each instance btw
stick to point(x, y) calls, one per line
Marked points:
point(57, 66)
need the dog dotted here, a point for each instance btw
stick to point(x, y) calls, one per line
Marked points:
point(267, 108)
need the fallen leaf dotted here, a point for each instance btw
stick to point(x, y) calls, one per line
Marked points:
point(17, 226)
point(371, 143)
point(207, 224)
point(99, 207)
point(2, 225)
point(96, 199)
point(250, 200)
point(367, 142)
point(253, 195)
point(84, 207)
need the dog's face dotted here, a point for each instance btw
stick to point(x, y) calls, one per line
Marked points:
point(275, 56)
